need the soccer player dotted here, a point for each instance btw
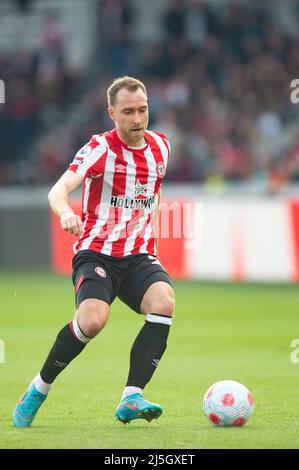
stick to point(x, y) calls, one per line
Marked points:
point(116, 253)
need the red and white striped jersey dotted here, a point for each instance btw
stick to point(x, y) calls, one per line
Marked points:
point(120, 193)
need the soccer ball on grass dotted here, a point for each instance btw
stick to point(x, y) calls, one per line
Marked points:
point(228, 403)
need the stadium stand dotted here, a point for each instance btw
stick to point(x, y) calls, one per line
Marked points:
point(218, 75)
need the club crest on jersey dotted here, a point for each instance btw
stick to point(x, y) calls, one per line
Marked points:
point(100, 271)
point(161, 170)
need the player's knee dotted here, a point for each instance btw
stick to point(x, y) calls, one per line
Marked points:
point(92, 316)
point(94, 325)
point(165, 306)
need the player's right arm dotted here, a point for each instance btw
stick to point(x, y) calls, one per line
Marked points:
point(84, 164)
point(58, 200)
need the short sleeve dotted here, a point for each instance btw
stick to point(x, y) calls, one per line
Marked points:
point(88, 156)
point(165, 141)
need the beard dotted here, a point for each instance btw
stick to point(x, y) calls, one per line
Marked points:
point(135, 135)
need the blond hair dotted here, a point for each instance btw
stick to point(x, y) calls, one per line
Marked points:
point(130, 83)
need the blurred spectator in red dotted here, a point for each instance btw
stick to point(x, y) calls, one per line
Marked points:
point(234, 160)
point(277, 178)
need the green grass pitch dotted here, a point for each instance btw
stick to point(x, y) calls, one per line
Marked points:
point(220, 331)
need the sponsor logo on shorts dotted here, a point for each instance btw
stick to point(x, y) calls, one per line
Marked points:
point(100, 271)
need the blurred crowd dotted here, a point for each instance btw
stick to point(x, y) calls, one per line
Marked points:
point(219, 88)
point(39, 88)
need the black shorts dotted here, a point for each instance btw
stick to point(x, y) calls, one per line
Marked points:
point(103, 277)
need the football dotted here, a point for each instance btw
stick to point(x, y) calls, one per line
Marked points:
point(228, 403)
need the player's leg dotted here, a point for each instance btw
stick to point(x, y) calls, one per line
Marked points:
point(91, 317)
point(93, 296)
point(154, 297)
point(149, 346)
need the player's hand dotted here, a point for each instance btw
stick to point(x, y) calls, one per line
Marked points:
point(71, 223)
